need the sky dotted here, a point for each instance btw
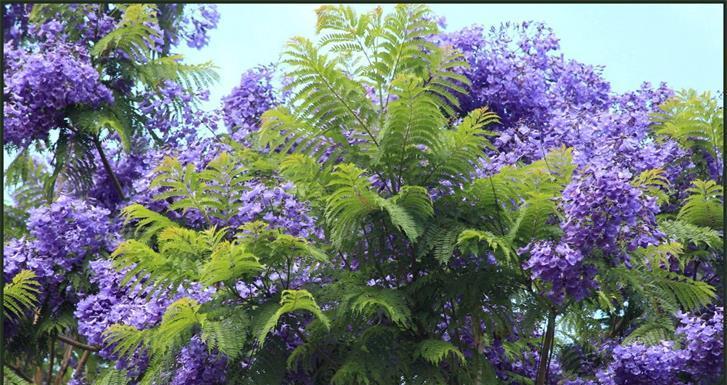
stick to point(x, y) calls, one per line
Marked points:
point(681, 44)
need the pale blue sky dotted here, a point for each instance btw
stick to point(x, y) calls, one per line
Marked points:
point(681, 44)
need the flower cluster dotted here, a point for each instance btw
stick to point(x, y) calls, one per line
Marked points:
point(127, 304)
point(15, 21)
point(197, 24)
point(246, 103)
point(562, 268)
point(197, 365)
point(62, 236)
point(604, 211)
point(278, 208)
point(638, 364)
point(704, 343)
point(40, 86)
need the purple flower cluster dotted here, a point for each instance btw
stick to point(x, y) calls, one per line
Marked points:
point(562, 269)
point(197, 365)
point(638, 364)
point(278, 208)
point(517, 71)
point(39, 86)
point(197, 23)
point(173, 112)
point(697, 362)
point(15, 21)
point(604, 211)
point(62, 236)
point(127, 304)
point(244, 106)
point(703, 341)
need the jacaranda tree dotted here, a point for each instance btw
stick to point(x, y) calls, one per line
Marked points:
point(389, 204)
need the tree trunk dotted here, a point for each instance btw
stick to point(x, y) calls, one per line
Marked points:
point(542, 374)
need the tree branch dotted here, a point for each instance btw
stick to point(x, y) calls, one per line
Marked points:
point(64, 365)
point(107, 167)
point(80, 345)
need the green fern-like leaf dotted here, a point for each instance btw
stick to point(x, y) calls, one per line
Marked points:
point(20, 294)
point(291, 301)
point(133, 34)
point(652, 332)
point(435, 351)
point(704, 206)
point(10, 378)
point(127, 339)
point(178, 323)
point(229, 261)
point(688, 233)
point(694, 120)
point(369, 301)
point(112, 376)
point(148, 223)
point(470, 241)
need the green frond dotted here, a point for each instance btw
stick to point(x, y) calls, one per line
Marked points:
point(112, 376)
point(369, 301)
point(688, 233)
point(471, 241)
point(414, 119)
point(291, 301)
point(10, 378)
point(549, 175)
point(695, 121)
point(183, 184)
point(661, 255)
point(415, 200)
point(400, 218)
point(94, 121)
point(350, 202)
point(20, 294)
point(324, 96)
point(286, 131)
point(663, 290)
point(533, 215)
point(652, 332)
point(127, 339)
point(133, 34)
point(435, 351)
point(155, 72)
point(691, 294)
point(60, 323)
point(403, 44)
point(224, 177)
point(704, 205)
point(351, 372)
point(186, 243)
point(288, 246)
point(162, 269)
point(227, 335)
point(227, 262)
point(148, 223)
point(458, 151)
point(443, 79)
point(441, 240)
point(178, 324)
point(653, 183)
